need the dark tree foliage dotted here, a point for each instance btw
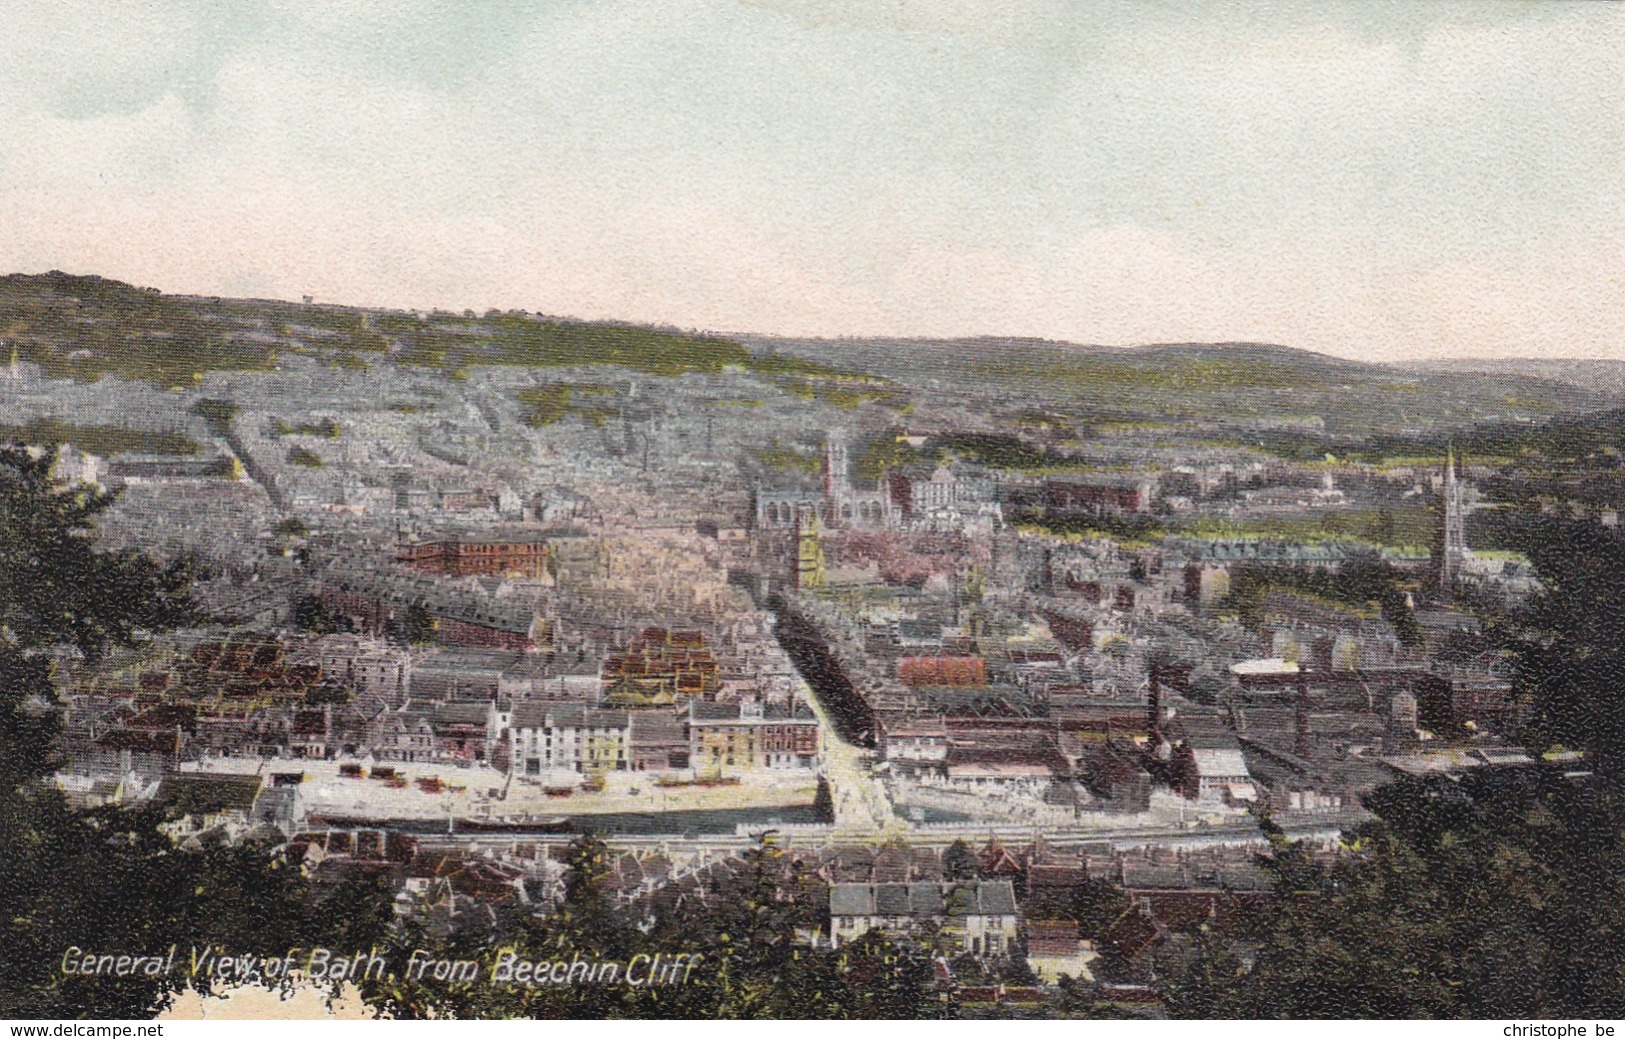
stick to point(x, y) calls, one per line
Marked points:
point(1572, 663)
point(1081, 1000)
point(823, 802)
point(1358, 583)
point(748, 935)
point(1096, 905)
point(1498, 896)
point(416, 627)
point(959, 862)
point(109, 881)
point(310, 614)
point(57, 592)
point(56, 588)
point(219, 414)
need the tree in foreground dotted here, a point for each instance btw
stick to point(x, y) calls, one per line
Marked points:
point(110, 881)
point(1499, 895)
point(1570, 664)
point(1495, 896)
point(750, 934)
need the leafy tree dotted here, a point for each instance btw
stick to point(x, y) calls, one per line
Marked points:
point(109, 880)
point(1096, 905)
point(56, 588)
point(219, 414)
point(1210, 986)
point(1569, 665)
point(823, 802)
point(1496, 897)
point(1080, 999)
point(1499, 895)
point(305, 457)
point(312, 615)
point(959, 862)
point(415, 627)
point(589, 910)
point(1358, 583)
point(1384, 529)
point(883, 979)
point(749, 935)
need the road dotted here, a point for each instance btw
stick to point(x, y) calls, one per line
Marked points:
point(862, 807)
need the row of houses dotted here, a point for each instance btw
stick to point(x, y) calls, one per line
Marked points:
point(709, 737)
point(381, 602)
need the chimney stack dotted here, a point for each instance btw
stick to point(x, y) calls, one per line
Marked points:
point(1154, 708)
point(1300, 716)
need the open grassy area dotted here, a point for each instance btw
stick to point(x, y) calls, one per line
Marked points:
point(327, 427)
point(553, 402)
point(812, 380)
point(786, 460)
point(1397, 528)
point(308, 459)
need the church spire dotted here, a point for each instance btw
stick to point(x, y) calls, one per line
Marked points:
point(1450, 544)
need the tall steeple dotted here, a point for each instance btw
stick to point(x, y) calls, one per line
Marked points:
point(1450, 543)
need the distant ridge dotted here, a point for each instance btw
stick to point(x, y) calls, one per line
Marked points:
point(80, 286)
point(85, 326)
point(97, 287)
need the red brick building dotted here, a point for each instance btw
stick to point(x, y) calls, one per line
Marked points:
point(1096, 497)
point(452, 631)
point(462, 557)
point(960, 671)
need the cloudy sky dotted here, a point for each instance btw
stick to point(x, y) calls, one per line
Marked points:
point(1367, 179)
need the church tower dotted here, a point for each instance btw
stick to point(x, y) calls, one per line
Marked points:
point(1450, 541)
point(809, 569)
point(837, 475)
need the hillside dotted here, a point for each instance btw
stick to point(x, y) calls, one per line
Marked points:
point(85, 327)
point(1244, 381)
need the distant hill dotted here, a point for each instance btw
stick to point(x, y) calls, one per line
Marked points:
point(1563, 437)
point(84, 327)
point(73, 286)
point(1242, 381)
point(1592, 375)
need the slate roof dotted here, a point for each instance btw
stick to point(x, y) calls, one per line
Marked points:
point(564, 716)
point(656, 728)
point(209, 792)
point(923, 900)
point(463, 713)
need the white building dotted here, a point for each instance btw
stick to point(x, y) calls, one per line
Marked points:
point(559, 737)
point(1221, 775)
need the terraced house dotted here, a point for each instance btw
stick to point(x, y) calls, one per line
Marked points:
point(563, 737)
point(975, 917)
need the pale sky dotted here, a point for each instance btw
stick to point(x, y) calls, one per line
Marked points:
point(1376, 180)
